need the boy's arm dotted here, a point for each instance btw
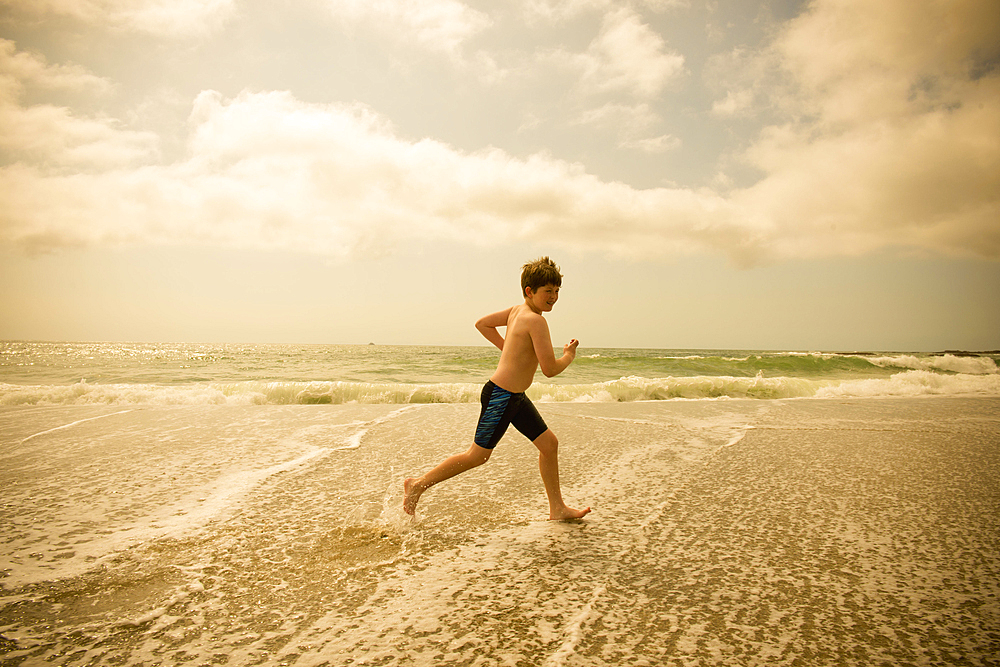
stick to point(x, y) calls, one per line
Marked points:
point(488, 324)
point(541, 340)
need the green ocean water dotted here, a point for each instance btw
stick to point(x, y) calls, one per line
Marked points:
point(34, 373)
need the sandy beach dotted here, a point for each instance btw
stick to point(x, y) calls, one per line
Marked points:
point(733, 532)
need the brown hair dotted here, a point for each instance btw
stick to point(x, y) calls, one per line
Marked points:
point(539, 273)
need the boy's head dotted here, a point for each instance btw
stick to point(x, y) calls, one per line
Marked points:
point(539, 273)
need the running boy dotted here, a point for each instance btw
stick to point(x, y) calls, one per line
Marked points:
point(526, 347)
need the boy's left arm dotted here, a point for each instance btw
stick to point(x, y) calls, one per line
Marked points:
point(488, 325)
point(542, 343)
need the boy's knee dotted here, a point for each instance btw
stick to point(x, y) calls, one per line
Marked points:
point(479, 455)
point(547, 442)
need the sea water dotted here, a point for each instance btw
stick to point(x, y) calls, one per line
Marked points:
point(187, 374)
point(233, 504)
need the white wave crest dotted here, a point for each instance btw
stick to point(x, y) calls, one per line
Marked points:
point(634, 388)
point(946, 362)
point(83, 393)
point(623, 390)
point(915, 383)
point(237, 393)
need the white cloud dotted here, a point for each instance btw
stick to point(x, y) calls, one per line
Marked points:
point(268, 171)
point(632, 124)
point(631, 119)
point(863, 61)
point(168, 18)
point(176, 18)
point(20, 70)
point(891, 133)
point(559, 10)
point(736, 103)
point(661, 144)
point(52, 135)
point(754, 82)
point(435, 25)
point(845, 170)
point(627, 56)
point(562, 10)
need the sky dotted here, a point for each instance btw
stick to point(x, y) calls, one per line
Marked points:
point(720, 174)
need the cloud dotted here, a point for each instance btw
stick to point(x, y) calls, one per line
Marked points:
point(20, 70)
point(749, 80)
point(661, 144)
point(555, 11)
point(627, 56)
point(892, 143)
point(632, 123)
point(887, 130)
point(631, 119)
point(268, 171)
point(166, 18)
point(52, 135)
point(435, 25)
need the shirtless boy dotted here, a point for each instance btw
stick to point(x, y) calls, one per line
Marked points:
point(526, 347)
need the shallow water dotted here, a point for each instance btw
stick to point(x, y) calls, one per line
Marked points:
point(723, 532)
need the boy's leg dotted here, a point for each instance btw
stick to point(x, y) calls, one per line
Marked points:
point(451, 466)
point(548, 466)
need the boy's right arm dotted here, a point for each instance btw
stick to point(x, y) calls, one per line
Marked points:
point(488, 325)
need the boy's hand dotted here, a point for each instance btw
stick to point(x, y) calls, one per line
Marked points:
point(570, 348)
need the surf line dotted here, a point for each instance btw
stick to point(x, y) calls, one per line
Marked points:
point(59, 428)
point(353, 441)
point(574, 631)
point(735, 440)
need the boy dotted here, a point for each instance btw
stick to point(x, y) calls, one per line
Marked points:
point(526, 347)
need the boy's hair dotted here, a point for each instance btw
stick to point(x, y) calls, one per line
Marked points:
point(539, 273)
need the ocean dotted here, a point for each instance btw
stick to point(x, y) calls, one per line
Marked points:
point(241, 505)
point(187, 374)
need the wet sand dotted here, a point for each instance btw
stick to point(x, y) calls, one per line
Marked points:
point(736, 532)
point(860, 533)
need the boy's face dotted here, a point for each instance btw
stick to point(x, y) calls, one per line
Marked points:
point(543, 298)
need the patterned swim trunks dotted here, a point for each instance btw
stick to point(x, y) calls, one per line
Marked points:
point(502, 408)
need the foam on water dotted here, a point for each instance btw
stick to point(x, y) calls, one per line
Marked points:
point(70, 425)
point(723, 532)
point(626, 389)
point(915, 383)
point(973, 365)
point(81, 491)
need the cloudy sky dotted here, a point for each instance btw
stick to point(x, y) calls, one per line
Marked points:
point(709, 173)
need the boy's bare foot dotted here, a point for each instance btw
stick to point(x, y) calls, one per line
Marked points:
point(411, 494)
point(567, 513)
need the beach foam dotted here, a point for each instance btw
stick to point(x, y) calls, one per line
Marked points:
point(626, 389)
point(973, 365)
point(743, 532)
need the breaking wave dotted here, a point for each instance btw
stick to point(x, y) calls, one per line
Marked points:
point(627, 389)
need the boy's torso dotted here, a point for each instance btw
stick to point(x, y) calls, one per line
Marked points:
point(518, 361)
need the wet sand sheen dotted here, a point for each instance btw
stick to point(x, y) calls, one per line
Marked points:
point(815, 532)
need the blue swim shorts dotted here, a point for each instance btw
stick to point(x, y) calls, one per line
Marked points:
point(502, 408)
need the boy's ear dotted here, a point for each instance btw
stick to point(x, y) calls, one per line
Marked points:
point(527, 292)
